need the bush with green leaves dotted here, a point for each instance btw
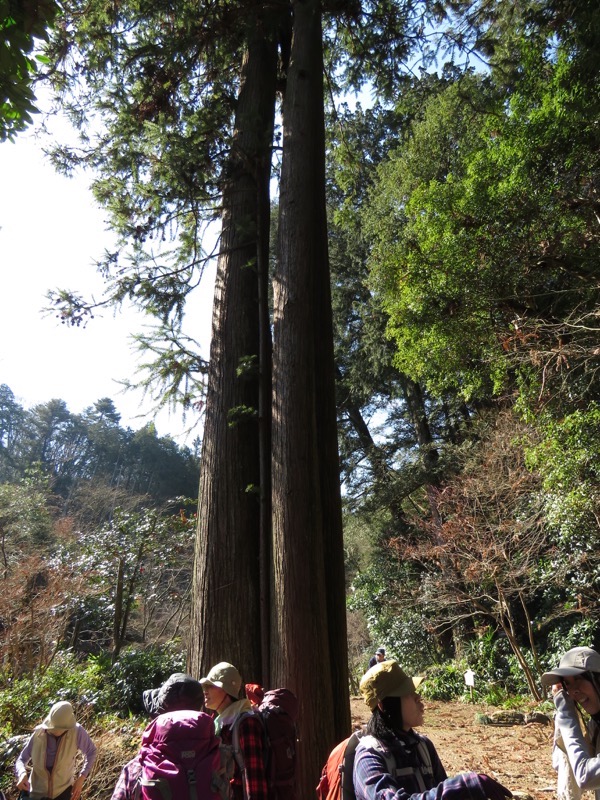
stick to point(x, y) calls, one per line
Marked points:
point(444, 681)
point(404, 632)
point(140, 669)
point(568, 634)
point(93, 686)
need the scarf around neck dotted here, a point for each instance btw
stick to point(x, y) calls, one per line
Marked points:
point(231, 713)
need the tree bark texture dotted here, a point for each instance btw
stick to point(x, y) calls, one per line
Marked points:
point(309, 649)
point(225, 622)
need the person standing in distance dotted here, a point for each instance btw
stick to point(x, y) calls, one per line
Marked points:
point(378, 657)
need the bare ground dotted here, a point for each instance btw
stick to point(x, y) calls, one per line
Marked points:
point(519, 756)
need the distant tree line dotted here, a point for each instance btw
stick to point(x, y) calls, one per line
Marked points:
point(92, 448)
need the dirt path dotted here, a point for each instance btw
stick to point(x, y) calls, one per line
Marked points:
point(519, 756)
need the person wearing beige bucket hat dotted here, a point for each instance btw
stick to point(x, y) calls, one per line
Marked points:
point(51, 753)
point(234, 715)
point(576, 684)
point(393, 761)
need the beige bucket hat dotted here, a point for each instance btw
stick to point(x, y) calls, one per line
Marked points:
point(226, 677)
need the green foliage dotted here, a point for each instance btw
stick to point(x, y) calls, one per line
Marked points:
point(241, 414)
point(404, 633)
point(139, 561)
point(25, 701)
point(483, 258)
point(566, 634)
point(74, 451)
point(25, 516)
point(92, 685)
point(444, 682)
point(22, 26)
point(568, 459)
point(137, 670)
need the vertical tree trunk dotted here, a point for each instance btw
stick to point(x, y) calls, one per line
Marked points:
point(225, 622)
point(308, 655)
point(118, 613)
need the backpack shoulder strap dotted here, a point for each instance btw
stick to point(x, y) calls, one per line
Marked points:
point(376, 744)
point(424, 758)
point(235, 742)
point(425, 755)
point(346, 768)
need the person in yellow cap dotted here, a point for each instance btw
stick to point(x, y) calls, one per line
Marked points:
point(51, 752)
point(393, 761)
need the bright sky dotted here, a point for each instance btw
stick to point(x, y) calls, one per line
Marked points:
point(51, 233)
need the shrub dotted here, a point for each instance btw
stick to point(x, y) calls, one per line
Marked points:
point(444, 681)
point(93, 686)
point(137, 670)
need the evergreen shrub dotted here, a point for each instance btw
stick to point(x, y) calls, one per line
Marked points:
point(444, 682)
point(93, 686)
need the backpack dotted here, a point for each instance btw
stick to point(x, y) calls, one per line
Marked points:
point(180, 758)
point(278, 713)
point(337, 781)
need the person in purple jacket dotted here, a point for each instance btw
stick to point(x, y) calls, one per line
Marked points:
point(46, 766)
point(392, 761)
point(180, 692)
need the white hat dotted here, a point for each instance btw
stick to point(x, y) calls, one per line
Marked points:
point(225, 676)
point(60, 718)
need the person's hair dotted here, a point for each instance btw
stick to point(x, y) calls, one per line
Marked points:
point(594, 679)
point(179, 693)
point(183, 697)
point(386, 722)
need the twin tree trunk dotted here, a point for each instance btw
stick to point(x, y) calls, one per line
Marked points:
point(304, 634)
point(226, 602)
point(309, 622)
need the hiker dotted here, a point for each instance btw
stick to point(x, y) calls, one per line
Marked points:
point(392, 761)
point(378, 657)
point(180, 692)
point(222, 688)
point(52, 749)
point(576, 685)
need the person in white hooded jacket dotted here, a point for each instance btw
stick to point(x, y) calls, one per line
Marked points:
point(576, 685)
point(51, 751)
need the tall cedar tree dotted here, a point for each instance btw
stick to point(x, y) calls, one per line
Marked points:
point(226, 609)
point(307, 528)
